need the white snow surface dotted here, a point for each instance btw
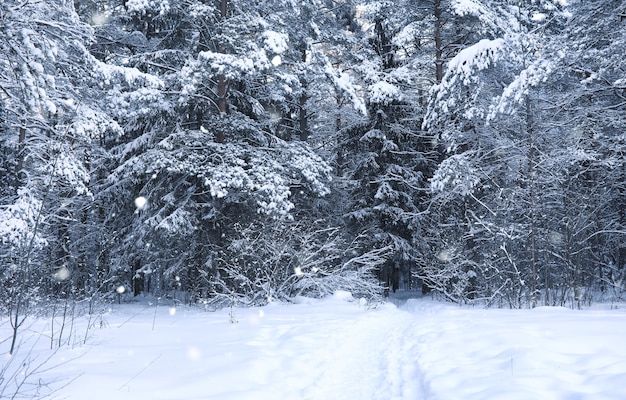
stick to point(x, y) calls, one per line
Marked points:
point(340, 348)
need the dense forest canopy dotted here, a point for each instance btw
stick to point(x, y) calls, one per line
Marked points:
point(238, 151)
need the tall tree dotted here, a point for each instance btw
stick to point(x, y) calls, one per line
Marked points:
point(203, 152)
point(496, 180)
point(386, 159)
point(593, 110)
point(52, 119)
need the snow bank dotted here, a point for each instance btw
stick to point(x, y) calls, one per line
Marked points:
point(339, 348)
point(545, 353)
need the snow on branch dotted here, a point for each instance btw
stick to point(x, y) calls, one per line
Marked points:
point(384, 93)
point(143, 7)
point(478, 57)
point(276, 42)
point(18, 220)
point(496, 19)
point(344, 82)
point(515, 92)
point(264, 175)
point(131, 76)
point(456, 174)
point(461, 74)
point(233, 66)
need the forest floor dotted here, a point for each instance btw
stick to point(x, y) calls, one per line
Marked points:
point(335, 348)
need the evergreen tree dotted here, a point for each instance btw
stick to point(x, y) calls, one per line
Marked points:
point(386, 159)
point(511, 188)
point(592, 111)
point(52, 119)
point(203, 152)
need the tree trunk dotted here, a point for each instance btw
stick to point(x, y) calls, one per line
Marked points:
point(303, 118)
point(438, 41)
point(384, 47)
point(222, 83)
point(21, 147)
point(532, 201)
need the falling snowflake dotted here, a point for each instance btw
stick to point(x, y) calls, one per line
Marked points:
point(141, 202)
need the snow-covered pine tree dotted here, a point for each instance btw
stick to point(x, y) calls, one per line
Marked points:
point(203, 166)
point(592, 110)
point(51, 130)
point(511, 164)
point(386, 159)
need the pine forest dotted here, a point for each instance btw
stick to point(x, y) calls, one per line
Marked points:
point(243, 151)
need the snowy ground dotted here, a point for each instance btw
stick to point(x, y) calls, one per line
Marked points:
point(335, 349)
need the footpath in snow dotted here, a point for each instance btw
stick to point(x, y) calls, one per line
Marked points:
point(339, 349)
